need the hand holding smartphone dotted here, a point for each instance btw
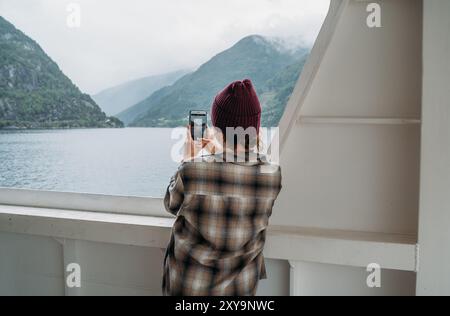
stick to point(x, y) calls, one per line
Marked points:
point(196, 132)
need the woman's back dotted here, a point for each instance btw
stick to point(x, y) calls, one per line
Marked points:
point(222, 211)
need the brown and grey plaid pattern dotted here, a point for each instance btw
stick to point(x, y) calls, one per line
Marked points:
point(217, 240)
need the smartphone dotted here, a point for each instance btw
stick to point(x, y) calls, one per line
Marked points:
point(197, 122)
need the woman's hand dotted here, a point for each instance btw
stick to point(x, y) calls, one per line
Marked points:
point(191, 147)
point(210, 143)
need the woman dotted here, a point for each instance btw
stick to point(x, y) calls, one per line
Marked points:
point(222, 205)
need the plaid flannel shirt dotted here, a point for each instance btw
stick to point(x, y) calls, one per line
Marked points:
point(222, 211)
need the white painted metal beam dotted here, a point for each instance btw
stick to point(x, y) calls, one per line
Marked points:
point(357, 120)
point(83, 202)
point(356, 249)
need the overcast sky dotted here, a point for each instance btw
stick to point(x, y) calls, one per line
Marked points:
point(120, 40)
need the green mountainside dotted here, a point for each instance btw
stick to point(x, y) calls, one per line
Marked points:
point(273, 68)
point(277, 91)
point(34, 93)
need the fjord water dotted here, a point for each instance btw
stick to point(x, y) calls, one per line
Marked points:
point(130, 161)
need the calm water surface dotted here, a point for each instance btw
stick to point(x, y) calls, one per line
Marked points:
point(106, 161)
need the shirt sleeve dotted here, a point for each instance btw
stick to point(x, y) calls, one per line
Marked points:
point(175, 194)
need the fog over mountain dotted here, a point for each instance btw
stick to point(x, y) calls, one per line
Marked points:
point(272, 64)
point(120, 40)
point(119, 98)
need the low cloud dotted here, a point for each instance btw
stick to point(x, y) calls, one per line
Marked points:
point(121, 40)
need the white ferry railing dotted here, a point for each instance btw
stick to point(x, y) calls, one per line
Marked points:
point(83, 202)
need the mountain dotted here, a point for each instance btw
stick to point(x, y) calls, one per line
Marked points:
point(271, 64)
point(277, 91)
point(119, 98)
point(34, 93)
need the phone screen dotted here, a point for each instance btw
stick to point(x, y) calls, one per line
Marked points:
point(197, 121)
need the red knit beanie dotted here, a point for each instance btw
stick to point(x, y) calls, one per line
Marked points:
point(237, 106)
